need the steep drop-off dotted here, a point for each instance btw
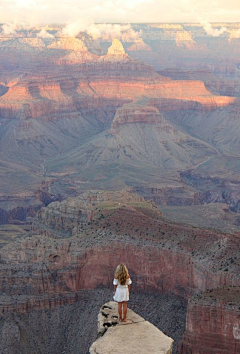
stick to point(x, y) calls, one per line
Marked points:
point(44, 272)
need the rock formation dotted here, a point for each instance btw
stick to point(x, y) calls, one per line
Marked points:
point(213, 323)
point(54, 269)
point(184, 39)
point(48, 110)
point(133, 113)
point(116, 53)
point(75, 51)
point(47, 114)
point(193, 257)
point(136, 335)
point(139, 146)
point(68, 43)
point(69, 215)
point(139, 45)
point(74, 120)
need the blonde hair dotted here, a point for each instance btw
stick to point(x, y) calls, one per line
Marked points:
point(121, 273)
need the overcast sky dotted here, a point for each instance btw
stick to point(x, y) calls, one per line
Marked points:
point(66, 11)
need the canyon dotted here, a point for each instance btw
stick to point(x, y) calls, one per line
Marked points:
point(50, 119)
point(75, 245)
point(119, 149)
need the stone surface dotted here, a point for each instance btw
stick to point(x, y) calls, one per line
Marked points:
point(213, 323)
point(72, 328)
point(134, 336)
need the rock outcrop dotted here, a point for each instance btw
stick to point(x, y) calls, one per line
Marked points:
point(68, 43)
point(184, 40)
point(116, 53)
point(134, 336)
point(133, 113)
point(139, 45)
point(68, 216)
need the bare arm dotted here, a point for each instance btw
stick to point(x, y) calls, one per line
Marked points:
point(128, 285)
point(115, 287)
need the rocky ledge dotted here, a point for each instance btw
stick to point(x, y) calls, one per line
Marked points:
point(134, 336)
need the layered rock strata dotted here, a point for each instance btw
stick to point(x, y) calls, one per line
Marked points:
point(213, 323)
point(42, 272)
point(70, 215)
point(137, 113)
point(53, 109)
point(34, 95)
point(193, 261)
point(136, 335)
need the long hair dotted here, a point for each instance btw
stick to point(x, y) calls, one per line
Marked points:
point(121, 273)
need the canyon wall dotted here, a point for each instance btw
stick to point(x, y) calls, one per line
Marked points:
point(195, 261)
point(213, 323)
point(56, 268)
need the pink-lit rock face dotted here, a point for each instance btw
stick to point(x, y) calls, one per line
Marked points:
point(66, 89)
point(213, 323)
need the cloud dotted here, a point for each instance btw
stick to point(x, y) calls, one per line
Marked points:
point(105, 31)
point(72, 29)
point(110, 31)
point(214, 32)
point(10, 28)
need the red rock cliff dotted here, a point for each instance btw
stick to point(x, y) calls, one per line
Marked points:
point(159, 261)
point(213, 323)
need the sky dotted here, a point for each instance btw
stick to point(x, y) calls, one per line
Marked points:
point(123, 11)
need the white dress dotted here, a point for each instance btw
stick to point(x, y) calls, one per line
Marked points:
point(122, 292)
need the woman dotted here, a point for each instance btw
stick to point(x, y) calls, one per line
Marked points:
point(121, 284)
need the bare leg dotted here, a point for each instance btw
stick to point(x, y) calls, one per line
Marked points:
point(124, 311)
point(120, 310)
